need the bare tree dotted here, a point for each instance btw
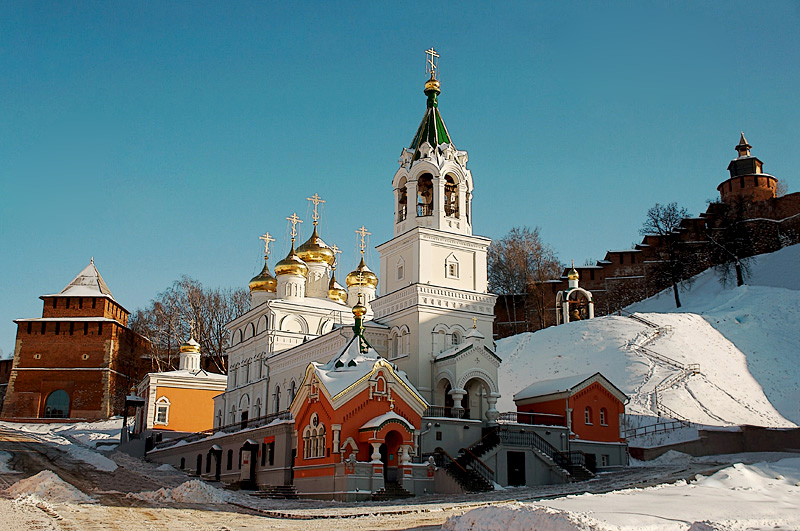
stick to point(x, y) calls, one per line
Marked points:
point(168, 321)
point(520, 263)
point(675, 262)
point(781, 188)
point(732, 244)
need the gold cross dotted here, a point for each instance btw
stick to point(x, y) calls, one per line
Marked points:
point(391, 403)
point(191, 328)
point(267, 240)
point(431, 67)
point(474, 322)
point(294, 220)
point(316, 199)
point(336, 251)
point(363, 232)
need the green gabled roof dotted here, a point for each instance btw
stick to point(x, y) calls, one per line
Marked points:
point(432, 129)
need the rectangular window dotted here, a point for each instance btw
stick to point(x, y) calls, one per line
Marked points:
point(99, 329)
point(30, 325)
point(621, 258)
point(161, 415)
point(591, 274)
point(271, 449)
point(86, 328)
point(94, 302)
point(80, 303)
point(58, 328)
point(66, 304)
point(263, 454)
point(71, 328)
point(438, 436)
point(55, 303)
point(44, 328)
point(604, 460)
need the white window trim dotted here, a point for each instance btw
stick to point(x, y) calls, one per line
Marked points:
point(162, 402)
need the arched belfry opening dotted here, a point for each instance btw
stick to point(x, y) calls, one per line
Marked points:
point(425, 195)
point(402, 200)
point(451, 199)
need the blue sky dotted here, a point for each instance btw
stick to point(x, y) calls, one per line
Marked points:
point(163, 138)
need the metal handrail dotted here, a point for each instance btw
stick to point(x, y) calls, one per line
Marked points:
point(446, 412)
point(535, 440)
point(541, 419)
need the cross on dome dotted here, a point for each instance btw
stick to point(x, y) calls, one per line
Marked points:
point(431, 66)
point(294, 220)
point(192, 323)
point(336, 251)
point(317, 200)
point(267, 237)
point(363, 233)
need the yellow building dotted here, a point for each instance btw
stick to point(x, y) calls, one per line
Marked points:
point(179, 401)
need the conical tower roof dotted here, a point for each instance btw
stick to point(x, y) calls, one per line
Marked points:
point(88, 283)
point(431, 129)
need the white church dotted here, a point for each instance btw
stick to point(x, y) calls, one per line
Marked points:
point(395, 387)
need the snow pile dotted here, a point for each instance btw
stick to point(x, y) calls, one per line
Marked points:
point(47, 486)
point(521, 516)
point(192, 491)
point(77, 439)
point(745, 340)
point(759, 496)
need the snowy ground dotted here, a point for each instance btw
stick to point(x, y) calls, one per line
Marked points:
point(746, 342)
point(758, 496)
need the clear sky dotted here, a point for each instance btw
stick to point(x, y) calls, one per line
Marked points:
point(163, 138)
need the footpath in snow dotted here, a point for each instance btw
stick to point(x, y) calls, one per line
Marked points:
point(729, 356)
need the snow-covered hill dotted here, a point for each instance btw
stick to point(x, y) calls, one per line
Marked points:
point(727, 356)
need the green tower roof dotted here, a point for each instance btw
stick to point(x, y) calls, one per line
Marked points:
point(432, 129)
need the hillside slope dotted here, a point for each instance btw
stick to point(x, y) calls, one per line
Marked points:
point(729, 356)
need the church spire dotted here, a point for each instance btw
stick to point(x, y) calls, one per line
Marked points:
point(743, 148)
point(432, 129)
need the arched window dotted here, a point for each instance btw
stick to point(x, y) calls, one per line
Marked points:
point(456, 337)
point(232, 416)
point(603, 417)
point(402, 200)
point(587, 416)
point(219, 417)
point(451, 266)
point(57, 405)
point(162, 411)
point(425, 195)
point(450, 197)
point(401, 269)
point(277, 398)
point(314, 438)
point(292, 391)
point(257, 408)
point(394, 341)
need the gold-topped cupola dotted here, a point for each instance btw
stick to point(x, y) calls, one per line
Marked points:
point(292, 271)
point(361, 280)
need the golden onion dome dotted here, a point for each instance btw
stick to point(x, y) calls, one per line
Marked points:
point(433, 84)
point(315, 250)
point(362, 276)
point(190, 346)
point(336, 291)
point(359, 310)
point(291, 265)
point(572, 274)
point(264, 281)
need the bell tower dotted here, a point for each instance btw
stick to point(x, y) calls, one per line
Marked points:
point(433, 270)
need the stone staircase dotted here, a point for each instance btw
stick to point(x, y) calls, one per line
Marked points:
point(277, 492)
point(391, 491)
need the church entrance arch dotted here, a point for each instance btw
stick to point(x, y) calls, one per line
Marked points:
point(474, 401)
point(390, 457)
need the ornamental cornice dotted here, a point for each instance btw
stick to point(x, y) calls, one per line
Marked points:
point(434, 297)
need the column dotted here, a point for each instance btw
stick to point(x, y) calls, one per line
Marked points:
point(376, 453)
point(337, 428)
point(492, 413)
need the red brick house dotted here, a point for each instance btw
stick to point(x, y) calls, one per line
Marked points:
point(79, 359)
point(589, 405)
